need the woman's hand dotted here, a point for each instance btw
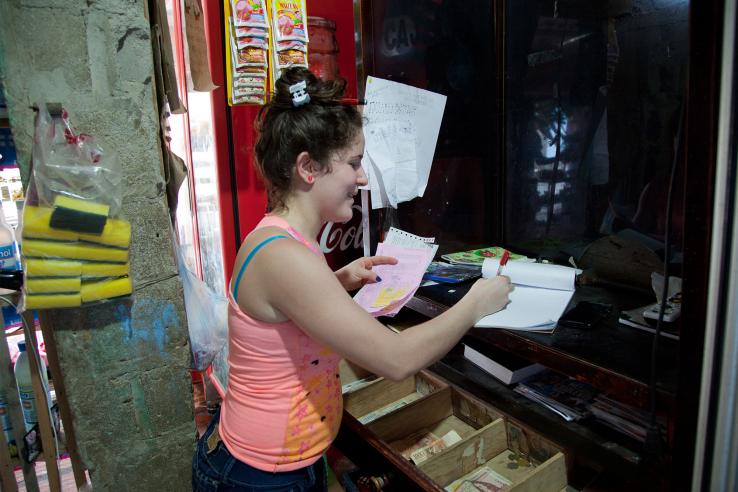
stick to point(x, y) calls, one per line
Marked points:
point(359, 272)
point(489, 295)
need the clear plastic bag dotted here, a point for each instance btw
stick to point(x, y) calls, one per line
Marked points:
point(207, 316)
point(66, 163)
point(74, 246)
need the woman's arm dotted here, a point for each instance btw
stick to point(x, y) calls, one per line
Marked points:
point(305, 290)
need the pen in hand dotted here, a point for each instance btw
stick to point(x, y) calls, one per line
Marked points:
point(503, 261)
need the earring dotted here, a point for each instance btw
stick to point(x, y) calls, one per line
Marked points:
point(310, 179)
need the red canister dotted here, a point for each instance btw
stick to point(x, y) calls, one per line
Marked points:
point(323, 48)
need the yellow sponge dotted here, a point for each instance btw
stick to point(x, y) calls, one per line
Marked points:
point(95, 291)
point(53, 268)
point(104, 269)
point(35, 301)
point(76, 251)
point(37, 220)
point(36, 224)
point(73, 214)
point(117, 232)
point(81, 205)
point(52, 285)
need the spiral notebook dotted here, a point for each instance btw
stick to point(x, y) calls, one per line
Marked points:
point(540, 296)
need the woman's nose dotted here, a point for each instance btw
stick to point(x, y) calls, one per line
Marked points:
point(362, 179)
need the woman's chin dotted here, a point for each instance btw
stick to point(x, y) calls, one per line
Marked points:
point(342, 216)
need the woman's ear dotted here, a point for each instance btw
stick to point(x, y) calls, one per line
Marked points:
point(304, 168)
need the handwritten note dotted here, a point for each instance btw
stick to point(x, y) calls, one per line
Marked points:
point(401, 130)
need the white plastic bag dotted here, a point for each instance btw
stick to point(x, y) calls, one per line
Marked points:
point(207, 316)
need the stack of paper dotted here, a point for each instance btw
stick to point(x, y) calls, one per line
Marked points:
point(401, 129)
point(399, 282)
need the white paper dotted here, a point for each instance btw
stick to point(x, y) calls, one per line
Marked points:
point(532, 274)
point(377, 192)
point(531, 308)
point(401, 130)
point(398, 237)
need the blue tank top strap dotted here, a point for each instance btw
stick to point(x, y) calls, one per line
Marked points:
point(248, 260)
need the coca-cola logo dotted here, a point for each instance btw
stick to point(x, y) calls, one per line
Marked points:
point(342, 236)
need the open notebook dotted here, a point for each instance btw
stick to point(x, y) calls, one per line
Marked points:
point(542, 292)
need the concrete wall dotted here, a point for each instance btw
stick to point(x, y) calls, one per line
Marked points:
point(125, 362)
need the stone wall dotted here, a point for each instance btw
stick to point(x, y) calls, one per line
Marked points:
point(125, 362)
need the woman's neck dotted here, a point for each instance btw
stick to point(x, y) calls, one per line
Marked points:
point(303, 219)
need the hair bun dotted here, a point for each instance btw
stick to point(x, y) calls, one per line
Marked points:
point(325, 92)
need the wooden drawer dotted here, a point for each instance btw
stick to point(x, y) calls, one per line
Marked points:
point(381, 396)
point(443, 436)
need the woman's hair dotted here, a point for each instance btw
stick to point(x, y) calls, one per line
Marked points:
point(319, 127)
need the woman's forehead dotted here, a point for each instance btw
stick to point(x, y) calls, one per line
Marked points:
point(353, 149)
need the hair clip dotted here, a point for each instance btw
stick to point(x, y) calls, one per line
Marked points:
point(299, 94)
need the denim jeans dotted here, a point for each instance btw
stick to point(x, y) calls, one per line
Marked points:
point(214, 469)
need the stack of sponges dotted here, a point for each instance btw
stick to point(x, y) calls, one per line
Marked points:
point(74, 253)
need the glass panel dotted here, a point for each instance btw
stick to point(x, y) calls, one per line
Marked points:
point(206, 189)
point(593, 93)
point(448, 47)
point(593, 99)
point(178, 144)
point(197, 127)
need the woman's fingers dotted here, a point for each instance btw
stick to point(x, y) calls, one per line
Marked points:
point(381, 260)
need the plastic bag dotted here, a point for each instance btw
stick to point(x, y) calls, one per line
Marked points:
point(74, 247)
point(74, 165)
point(207, 316)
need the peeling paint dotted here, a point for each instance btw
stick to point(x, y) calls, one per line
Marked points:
point(480, 452)
point(138, 325)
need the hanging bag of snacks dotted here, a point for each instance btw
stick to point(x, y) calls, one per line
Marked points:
point(74, 245)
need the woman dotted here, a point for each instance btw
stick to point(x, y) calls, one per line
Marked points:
point(290, 317)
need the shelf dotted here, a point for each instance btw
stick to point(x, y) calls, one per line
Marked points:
point(612, 357)
point(583, 439)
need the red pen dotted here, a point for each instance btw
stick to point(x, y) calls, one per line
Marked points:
point(503, 261)
point(353, 102)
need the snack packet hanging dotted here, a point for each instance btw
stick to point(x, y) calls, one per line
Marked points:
point(289, 35)
point(74, 245)
point(288, 19)
point(249, 13)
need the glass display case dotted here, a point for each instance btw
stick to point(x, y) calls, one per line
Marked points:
point(592, 103)
point(563, 138)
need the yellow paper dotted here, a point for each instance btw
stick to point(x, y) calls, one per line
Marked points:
point(387, 296)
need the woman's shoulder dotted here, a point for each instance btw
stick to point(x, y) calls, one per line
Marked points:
point(277, 245)
point(265, 232)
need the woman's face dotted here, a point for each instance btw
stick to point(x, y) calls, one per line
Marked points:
point(336, 189)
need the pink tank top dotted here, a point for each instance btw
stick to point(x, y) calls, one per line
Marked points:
point(283, 404)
